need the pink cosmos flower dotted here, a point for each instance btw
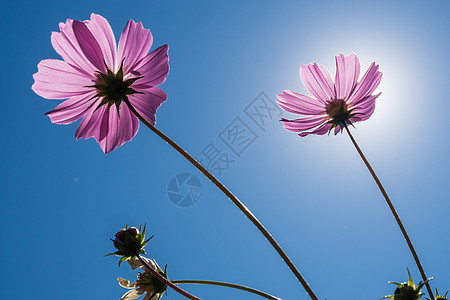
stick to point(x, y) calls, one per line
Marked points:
point(99, 78)
point(334, 105)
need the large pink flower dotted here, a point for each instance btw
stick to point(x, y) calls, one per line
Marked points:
point(334, 105)
point(98, 77)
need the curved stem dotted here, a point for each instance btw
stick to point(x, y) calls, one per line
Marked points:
point(394, 212)
point(229, 285)
point(232, 197)
point(166, 281)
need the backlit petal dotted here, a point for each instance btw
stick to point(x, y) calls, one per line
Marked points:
point(364, 109)
point(367, 85)
point(56, 79)
point(89, 45)
point(303, 124)
point(71, 110)
point(147, 104)
point(103, 34)
point(299, 104)
point(66, 45)
point(319, 131)
point(347, 73)
point(119, 128)
point(154, 67)
point(337, 129)
point(91, 122)
point(365, 101)
point(317, 81)
point(134, 44)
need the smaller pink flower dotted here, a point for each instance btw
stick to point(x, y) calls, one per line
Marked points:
point(334, 105)
point(97, 77)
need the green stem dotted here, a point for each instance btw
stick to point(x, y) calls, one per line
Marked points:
point(166, 281)
point(229, 285)
point(232, 197)
point(394, 212)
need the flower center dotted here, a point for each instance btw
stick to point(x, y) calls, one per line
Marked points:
point(113, 89)
point(338, 111)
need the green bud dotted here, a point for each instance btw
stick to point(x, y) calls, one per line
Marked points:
point(407, 290)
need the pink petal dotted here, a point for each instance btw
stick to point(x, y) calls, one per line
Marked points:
point(134, 44)
point(154, 67)
point(317, 81)
point(367, 85)
point(337, 129)
point(56, 79)
point(347, 73)
point(66, 45)
point(119, 129)
point(108, 128)
point(91, 123)
point(364, 109)
point(299, 104)
point(71, 110)
point(319, 131)
point(146, 104)
point(364, 114)
point(366, 101)
point(89, 45)
point(104, 128)
point(305, 123)
point(103, 34)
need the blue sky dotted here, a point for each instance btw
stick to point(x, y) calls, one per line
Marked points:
point(63, 199)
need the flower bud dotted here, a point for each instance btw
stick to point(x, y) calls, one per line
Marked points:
point(407, 290)
point(129, 243)
point(120, 237)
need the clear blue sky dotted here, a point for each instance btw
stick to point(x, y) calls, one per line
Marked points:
point(63, 199)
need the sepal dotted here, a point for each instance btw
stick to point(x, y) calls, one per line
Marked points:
point(407, 290)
